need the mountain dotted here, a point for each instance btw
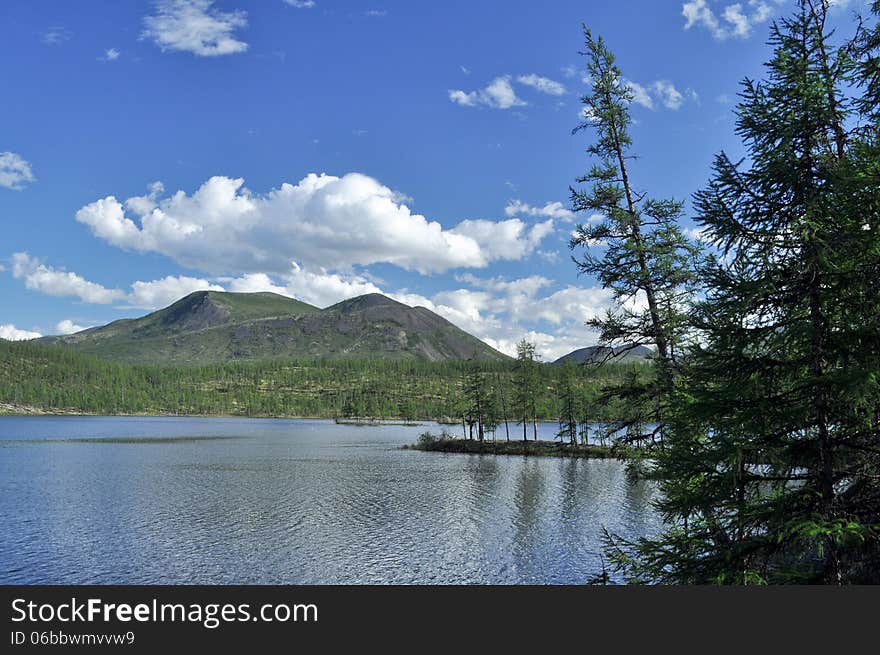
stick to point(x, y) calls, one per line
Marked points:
point(619, 354)
point(212, 326)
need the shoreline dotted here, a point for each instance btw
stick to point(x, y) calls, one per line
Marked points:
point(7, 409)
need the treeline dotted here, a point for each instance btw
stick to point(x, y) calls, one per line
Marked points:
point(58, 380)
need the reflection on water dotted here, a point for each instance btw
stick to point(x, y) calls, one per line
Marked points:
point(174, 501)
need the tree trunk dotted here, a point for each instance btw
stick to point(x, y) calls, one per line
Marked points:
point(504, 411)
point(647, 284)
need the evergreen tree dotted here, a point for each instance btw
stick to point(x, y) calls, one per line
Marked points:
point(637, 250)
point(526, 387)
point(479, 406)
point(771, 470)
point(567, 397)
point(867, 51)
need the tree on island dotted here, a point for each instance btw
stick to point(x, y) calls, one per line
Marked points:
point(480, 406)
point(567, 397)
point(526, 381)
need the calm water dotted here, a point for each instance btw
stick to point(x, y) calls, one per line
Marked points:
point(188, 500)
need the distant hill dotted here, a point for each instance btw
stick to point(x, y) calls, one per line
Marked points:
point(619, 354)
point(212, 326)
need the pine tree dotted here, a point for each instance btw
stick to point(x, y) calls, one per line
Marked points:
point(770, 471)
point(636, 249)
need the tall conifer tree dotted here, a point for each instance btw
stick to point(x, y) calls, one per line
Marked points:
point(636, 250)
point(770, 472)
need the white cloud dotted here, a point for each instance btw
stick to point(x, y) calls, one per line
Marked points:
point(697, 12)
point(668, 95)
point(111, 54)
point(301, 4)
point(542, 84)
point(142, 205)
point(161, 293)
point(589, 115)
point(661, 92)
point(736, 21)
point(640, 94)
point(322, 289)
point(551, 209)
point(501, 312)
point(68, 327)
point(143, 295)
point(15, 172)
point(498, 94)
point(223, 228)
point(195, 26)
point(510, 239)
point(695, 233)
point(53, 282)
point(319, 287)
point(254, 283)
point(12, 333)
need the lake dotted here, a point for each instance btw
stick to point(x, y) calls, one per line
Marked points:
point(109, 500)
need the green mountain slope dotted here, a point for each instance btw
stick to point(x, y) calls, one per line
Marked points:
point(208, 326)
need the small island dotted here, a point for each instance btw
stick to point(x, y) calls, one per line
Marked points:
point(449, 443)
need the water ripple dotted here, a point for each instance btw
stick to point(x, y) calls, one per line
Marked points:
point(217, 501)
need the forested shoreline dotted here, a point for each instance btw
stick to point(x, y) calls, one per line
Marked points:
point(53, 379)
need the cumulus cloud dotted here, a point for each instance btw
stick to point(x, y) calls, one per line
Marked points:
point(501, 312)
point(498, 94)
point(68, 327)
point(223, 228)
point(542, 84)
point(320, 287)
point(53, 282)
point(554, 209)
point(161, 293)
point(301, 4)
point(154, 294)
point(735, 20)
point(15, 172)
point(510, 239)
point(254, 283)
point(12, 333)
point(195, 26)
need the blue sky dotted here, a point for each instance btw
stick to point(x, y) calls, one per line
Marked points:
point(326, 149)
